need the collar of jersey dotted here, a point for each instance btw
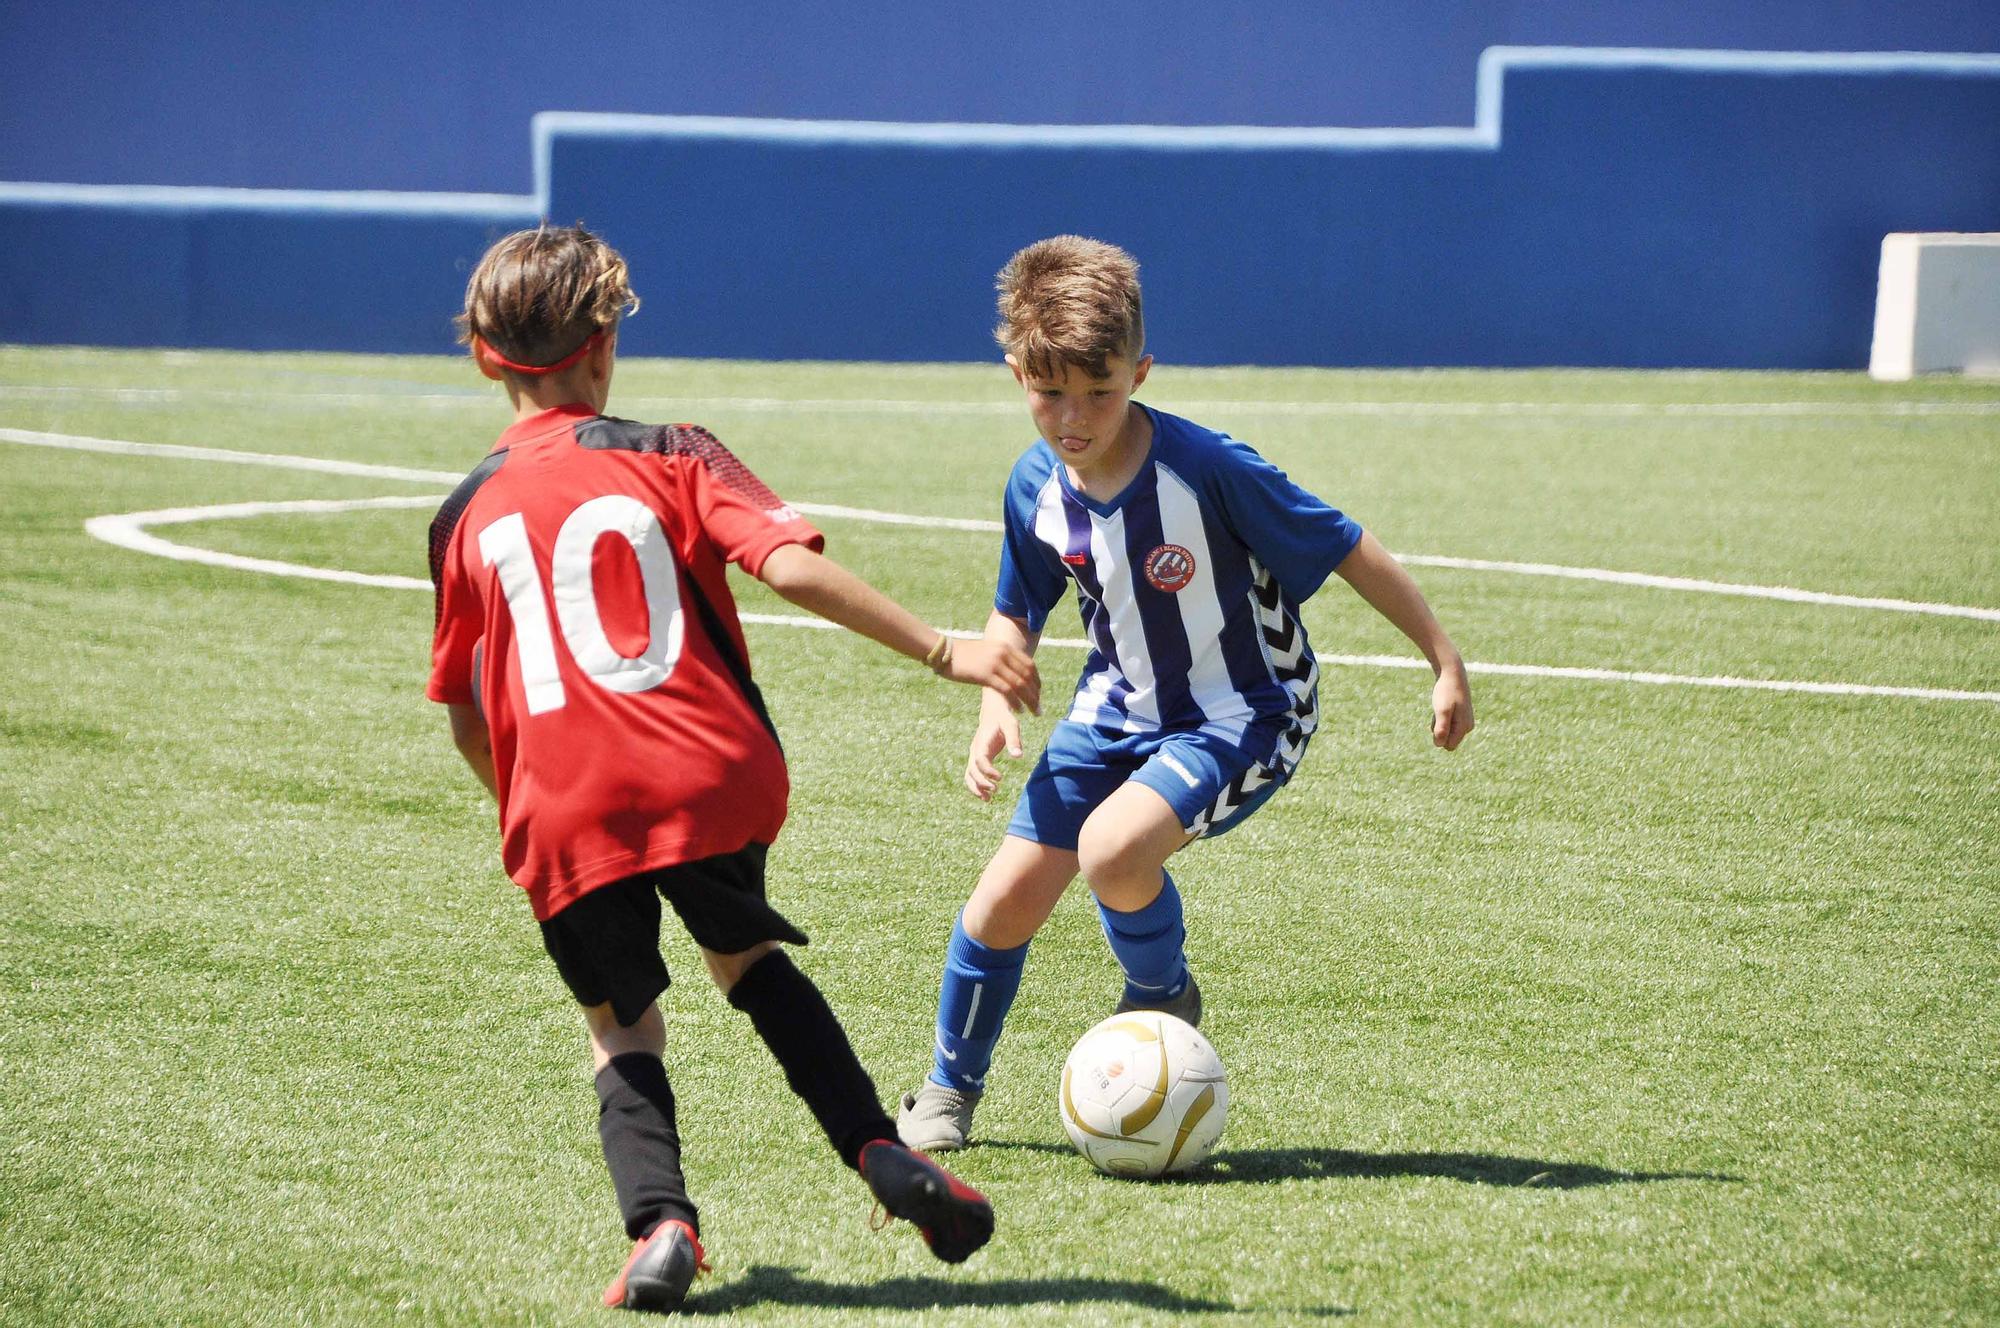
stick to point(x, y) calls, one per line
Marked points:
point(542, 423)
point(1139, 480)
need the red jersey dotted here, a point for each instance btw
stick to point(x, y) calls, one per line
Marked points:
point(587, 555)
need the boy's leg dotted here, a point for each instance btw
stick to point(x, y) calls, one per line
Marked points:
point(1150, 945)
point(796, 1024)
point(606, 947)
point(1022, 884)
point(721, 902)
point(982, 972)
point(1123, 850)
point(642, 1147)
point(1190, 785)
point(635, 1120)
point(989, 945)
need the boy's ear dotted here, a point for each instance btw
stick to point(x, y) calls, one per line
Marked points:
point(486, 366)
point(602, 354)
point(1015, 364)
point(1140, 370)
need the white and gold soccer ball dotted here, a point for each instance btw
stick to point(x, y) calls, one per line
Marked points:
point(1143, 1094)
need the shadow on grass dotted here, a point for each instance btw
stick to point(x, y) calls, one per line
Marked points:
point(1339, 1164)
point(1473, 1168)
point(764, 1284)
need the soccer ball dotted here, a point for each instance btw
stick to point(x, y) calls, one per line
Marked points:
point(1143, 1095)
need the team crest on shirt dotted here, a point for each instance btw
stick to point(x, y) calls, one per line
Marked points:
point(1169, 567)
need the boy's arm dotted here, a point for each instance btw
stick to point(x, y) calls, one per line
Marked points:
point(475, 744)
point(1378, 578)
point(998, 726)
point(817, 583)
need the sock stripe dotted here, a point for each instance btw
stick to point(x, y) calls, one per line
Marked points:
point(972, 1013)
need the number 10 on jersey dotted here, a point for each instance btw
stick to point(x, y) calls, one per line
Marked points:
point(504, 546)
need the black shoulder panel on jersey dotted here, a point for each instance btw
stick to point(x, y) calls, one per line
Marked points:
point(454, 507)
point(607, 433)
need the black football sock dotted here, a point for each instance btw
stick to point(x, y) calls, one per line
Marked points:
point(642, 1145)
point(793, 1019)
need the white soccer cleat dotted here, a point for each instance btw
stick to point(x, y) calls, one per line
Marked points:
point(936, 1119)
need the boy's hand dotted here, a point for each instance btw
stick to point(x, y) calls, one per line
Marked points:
point(1001, 668)
point(998, 728)
point(1451, 707)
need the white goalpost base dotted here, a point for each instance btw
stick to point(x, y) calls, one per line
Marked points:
point(1937, 306)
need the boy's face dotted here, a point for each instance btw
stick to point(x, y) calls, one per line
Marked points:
point(1081, 417)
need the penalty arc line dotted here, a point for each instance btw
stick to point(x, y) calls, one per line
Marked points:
point(129, 530)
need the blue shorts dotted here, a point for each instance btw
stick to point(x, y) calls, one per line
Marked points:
point(1211, 782)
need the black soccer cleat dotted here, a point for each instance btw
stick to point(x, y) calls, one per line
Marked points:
point(1186, 1006)
point(660, 1271)
point(955, 1219)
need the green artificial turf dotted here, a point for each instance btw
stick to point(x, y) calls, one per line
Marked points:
point(1656, 1003)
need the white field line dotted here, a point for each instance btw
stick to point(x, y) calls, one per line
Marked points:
point(177, 451)
point(900, 518)
point(1674, 679)
point(1787, 593)
point(1590, 410)
point(129, 530)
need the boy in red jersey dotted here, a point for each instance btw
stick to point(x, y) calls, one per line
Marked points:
point(588, 650)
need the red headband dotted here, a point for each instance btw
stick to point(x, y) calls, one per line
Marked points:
point(495, 358)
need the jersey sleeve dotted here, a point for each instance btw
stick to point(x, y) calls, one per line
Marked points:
point(1292, 532)
point(1031, 581)
point(461, 621)
point(739, 514)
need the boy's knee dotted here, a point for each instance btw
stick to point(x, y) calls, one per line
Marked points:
point(1108, 852)
point(610, 1039)
point(726, 970)
point(1125, 843)
point(1016, 893)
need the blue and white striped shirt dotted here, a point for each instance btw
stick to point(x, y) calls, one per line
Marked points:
point(1188, 583)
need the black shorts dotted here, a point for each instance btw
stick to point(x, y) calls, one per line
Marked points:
point(606, 943)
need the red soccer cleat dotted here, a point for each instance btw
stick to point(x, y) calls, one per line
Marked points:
point(955, 1219)
point(660, 1271)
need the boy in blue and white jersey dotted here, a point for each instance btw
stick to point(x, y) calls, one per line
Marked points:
point(1190, 555)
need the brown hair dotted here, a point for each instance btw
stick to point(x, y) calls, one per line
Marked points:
point(1070, 301)
point(538, 294)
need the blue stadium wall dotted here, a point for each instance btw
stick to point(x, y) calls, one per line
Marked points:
point(424, 95)
point(1636, 208)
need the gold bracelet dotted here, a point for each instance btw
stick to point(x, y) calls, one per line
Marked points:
point(939, 658)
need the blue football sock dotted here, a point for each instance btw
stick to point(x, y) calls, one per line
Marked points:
point(1149, 945)
point(979, 984)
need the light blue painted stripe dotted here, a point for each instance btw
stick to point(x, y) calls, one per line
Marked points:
point(548, 124)
point(1779, 62)
point(192, 198)
point(1495, 61)
point(1484, 132)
